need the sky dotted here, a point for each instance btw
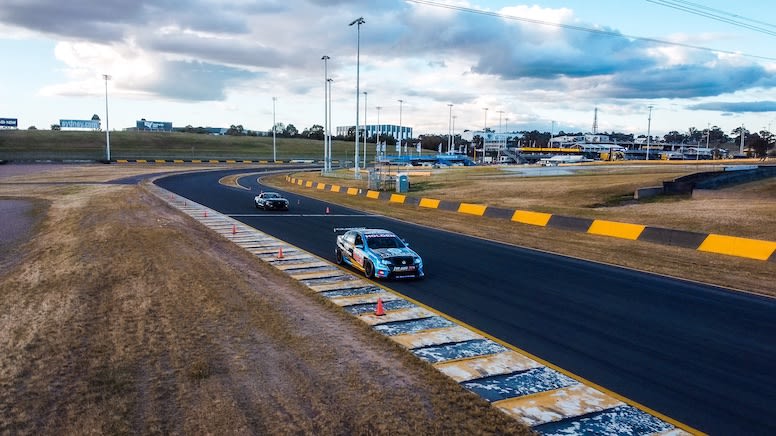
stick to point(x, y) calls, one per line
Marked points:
point(545, 65)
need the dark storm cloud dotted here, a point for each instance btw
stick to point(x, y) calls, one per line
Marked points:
point(731, 107)
point(194, 81)
point(226, 51)
point(688, 81)
point(106, 21)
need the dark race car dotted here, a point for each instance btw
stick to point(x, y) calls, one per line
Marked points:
point(270, 201)
point(377, 253)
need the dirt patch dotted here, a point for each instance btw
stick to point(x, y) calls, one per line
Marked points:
point(130, 317)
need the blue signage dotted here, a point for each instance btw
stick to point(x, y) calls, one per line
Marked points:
point(80, 124)
point(9, 122)
point(163, 126)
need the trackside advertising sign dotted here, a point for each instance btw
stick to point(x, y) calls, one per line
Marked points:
point(9, 123)
point(163, 126)
point(80, 124)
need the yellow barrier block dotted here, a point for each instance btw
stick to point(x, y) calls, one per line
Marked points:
point(741, 247)
point(374, 195)
point(533, 218)
point(160, 161)
point(263, 161)
point(472, 209)
point(299, 182)
point(213, 161)
point(122, 161)
point(397, 198)
point(336, 188)
point(615, 229)
point(308, 184)
point(177, 161)
point(141, 161)
point(320, 186)
point(247, 161)
point(352, 191)
point(429, 202)
point(230, 161)
point(196, 161)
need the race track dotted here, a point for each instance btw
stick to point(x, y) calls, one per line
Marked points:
point(699, 354)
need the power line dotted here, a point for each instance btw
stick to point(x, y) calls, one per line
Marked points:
point(716, 14)
point(586, 29)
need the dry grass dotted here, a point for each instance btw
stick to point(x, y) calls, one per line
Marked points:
point(746, 210)
point(129, 317)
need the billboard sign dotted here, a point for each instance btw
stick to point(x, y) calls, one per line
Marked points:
point(80, 124)
point(9, 123)
point(163, 126)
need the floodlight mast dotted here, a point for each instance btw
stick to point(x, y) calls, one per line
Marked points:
point(358, 22)
point(107, 124)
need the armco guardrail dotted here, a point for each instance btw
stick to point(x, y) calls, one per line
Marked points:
point(708, 242)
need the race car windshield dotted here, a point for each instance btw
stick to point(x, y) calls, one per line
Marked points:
point(271, 195)
point(384, 242)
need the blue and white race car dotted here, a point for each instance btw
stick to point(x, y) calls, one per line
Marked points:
point(377, 253)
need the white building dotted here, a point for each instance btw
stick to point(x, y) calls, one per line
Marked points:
point(398, 132)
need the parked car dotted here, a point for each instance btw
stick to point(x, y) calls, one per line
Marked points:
point(270, 201)
point(377, 253)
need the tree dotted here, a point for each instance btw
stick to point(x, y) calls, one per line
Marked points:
point(314, 132)
point(235, 130)
point(279, 129)
point(32, 128)
point(56, 127)
point(95, 117)
point(290, 131)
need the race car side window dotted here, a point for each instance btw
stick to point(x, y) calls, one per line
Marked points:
point(358, 241)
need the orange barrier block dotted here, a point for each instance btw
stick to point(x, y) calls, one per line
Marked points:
point(373, 194)
point(397, 198)
point(308, 184)
point(320, 186)
point(741, 247)
point(533, 218)
point(472, 209)
point(352, 191)
point(615, 229)
point(429, 203)
point(336, 188)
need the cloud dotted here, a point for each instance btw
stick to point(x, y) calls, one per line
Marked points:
point(736, 107)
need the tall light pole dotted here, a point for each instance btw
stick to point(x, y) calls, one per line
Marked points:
point(649, 132)
point(366, 131)
point(450, 129)
point(484, 128)
point(274, 128)
point(708, 133)
point(358, 22)
point(107, 124)
point(401, 102)
point(378, 148)
point(325, 112)
point(453, 129)
point(328, 123)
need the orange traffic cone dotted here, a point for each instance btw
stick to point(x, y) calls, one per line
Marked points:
point(205, 214)
point(379, 311)
point(280, 253)
point(234, 229)
point(327, 210)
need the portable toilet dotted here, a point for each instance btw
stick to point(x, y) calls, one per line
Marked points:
point(402, 183)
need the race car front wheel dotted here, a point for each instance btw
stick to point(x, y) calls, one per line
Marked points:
point(338, 256)
point(369, 270)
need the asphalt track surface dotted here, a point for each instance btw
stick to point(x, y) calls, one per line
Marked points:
point(702, 355)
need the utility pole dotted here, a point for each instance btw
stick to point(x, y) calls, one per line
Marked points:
point(649, 127)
